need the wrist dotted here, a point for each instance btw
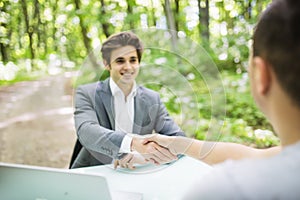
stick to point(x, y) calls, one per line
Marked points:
point(175, 145)
point(132, 145)
point(181, 144)
point(125, 145)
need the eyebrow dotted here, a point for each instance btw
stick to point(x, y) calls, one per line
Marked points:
point(122, 58)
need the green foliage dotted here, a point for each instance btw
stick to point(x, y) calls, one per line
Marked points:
point(237, 130)
point(240, 103)
point(18, 78)
point(89, 76)
point(241, 106)
point(58, 32)
point(11, 73)
point(23, 69)
point(243, 123)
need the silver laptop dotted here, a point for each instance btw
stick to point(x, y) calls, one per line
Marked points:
point(22, 182)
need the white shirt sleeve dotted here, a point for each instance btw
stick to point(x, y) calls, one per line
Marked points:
point(126, 144)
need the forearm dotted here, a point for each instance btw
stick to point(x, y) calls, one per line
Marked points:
point(96, 138)
point(217, 152)
point(92, 135)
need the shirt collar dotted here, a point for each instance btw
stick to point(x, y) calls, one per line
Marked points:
point(115, 88)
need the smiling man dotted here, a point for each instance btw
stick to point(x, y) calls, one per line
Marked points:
point(109, 114)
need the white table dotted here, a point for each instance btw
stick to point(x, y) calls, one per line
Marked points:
point(154, 182)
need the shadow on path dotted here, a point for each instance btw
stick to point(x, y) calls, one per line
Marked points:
point(36, 122)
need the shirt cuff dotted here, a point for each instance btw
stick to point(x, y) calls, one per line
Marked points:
point(126, 144)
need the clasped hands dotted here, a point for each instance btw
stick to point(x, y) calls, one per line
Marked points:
point(155, 148)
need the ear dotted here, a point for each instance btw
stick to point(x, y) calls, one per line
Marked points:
point(107, 66)
point(262, 75)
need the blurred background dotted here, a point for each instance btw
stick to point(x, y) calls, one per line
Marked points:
point(44, 44)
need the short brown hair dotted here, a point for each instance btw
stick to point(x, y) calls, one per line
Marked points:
point(119, 40)
point(277, 40)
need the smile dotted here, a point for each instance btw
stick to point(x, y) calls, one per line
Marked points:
point(127, 74)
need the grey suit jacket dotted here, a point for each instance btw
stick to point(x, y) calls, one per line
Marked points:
point(95, 122)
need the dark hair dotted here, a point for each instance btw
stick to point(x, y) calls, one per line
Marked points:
point(119, 40)
point(277, 39)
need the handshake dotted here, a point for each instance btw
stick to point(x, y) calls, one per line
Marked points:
point(155, 148)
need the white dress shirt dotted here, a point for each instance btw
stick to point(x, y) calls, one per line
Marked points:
point(124, 113)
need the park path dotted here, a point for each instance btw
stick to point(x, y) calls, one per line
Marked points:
point(36, 122)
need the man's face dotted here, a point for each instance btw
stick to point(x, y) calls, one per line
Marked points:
point(124, 66)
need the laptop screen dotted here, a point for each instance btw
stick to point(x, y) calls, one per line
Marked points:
point(41, 183)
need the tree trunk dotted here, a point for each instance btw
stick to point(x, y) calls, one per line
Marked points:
point(44, 36)
point(249, 9)
point(3, 44)
point(86, 40)
point(204, 21)
point(169, 15)
point(4, 54)
point(105, 25)
point(171, 23)
point(37, 21)
point(54, 29)
point(29, 29)
point(153, 18)
point(176, 15)
point(129, 20)
point(21, 32)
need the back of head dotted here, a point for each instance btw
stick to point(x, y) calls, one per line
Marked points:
point(277, 40)
point(120, 40)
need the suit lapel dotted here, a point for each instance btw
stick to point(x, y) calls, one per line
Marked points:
point(104, 96)
point(139, 111)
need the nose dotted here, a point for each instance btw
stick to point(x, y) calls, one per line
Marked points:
point(127, 65)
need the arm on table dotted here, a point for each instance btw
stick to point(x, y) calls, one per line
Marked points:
point(91, 134)
point(144, 153)
point(211, 152)
point(130, 160)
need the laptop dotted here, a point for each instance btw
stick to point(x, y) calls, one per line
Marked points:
point(24, 182)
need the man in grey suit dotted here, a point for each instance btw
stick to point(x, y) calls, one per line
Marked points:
point(109, 115)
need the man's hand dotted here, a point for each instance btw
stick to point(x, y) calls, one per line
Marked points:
point(151, 151)
point(130, 160)
point(175, 144)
